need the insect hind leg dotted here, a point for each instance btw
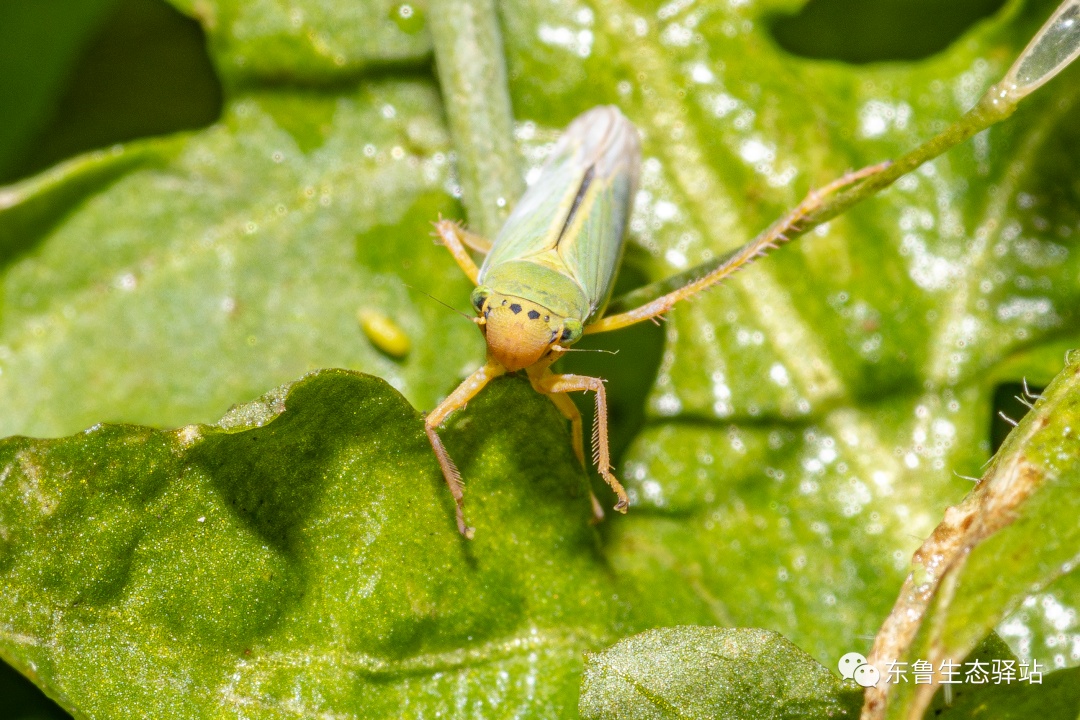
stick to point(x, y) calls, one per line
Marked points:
point(551, 384)
point(453, 480)
point(569, 410)
point(780, 231)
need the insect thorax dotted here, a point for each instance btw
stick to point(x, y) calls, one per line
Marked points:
point(553, 290)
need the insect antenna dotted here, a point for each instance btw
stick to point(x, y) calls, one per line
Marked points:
point(965, 477)
point(609, 352)
point(467, 317)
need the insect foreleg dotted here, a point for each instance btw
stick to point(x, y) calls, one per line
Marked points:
point(569, 410)
point(455, 238)
point(457, 399)
point(779, 231)
point(550, 384)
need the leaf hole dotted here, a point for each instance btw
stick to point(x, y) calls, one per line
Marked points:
point(1007, 402)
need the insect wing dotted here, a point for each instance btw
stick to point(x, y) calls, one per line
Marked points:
point(574, 215)
point(540, 216)
point(591, 244)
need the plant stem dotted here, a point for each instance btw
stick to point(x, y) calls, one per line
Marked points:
point(472, 75)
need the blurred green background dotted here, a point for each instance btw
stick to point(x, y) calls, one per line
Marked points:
point(79, 75)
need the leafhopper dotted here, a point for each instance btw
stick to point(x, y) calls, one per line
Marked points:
point(547, 278)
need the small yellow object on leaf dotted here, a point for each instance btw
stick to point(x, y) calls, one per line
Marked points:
point(383, 333)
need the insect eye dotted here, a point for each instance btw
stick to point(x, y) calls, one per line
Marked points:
point(479, 297)
point(572, 331)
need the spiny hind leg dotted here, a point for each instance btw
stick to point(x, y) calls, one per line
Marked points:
point(457, 399)
point(569, 410)
point(790, 223)
point(550, 384)
point(453, 480)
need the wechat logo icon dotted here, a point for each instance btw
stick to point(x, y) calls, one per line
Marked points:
point(853, 666)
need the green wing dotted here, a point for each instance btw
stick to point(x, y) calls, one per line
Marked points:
point(572, 219)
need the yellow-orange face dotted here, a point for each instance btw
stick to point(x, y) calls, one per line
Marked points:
point(520, 332)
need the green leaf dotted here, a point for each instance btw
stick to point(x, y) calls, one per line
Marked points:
point(1054, 696)
point(699, 672)
point(301, 557)
point(691, 672)
point(237, 266)
point(312, 43)
point(1012, 536)
point(808, 417)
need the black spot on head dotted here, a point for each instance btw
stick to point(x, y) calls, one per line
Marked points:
point(533, 315)
point(515, 308)
point(566, 334)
